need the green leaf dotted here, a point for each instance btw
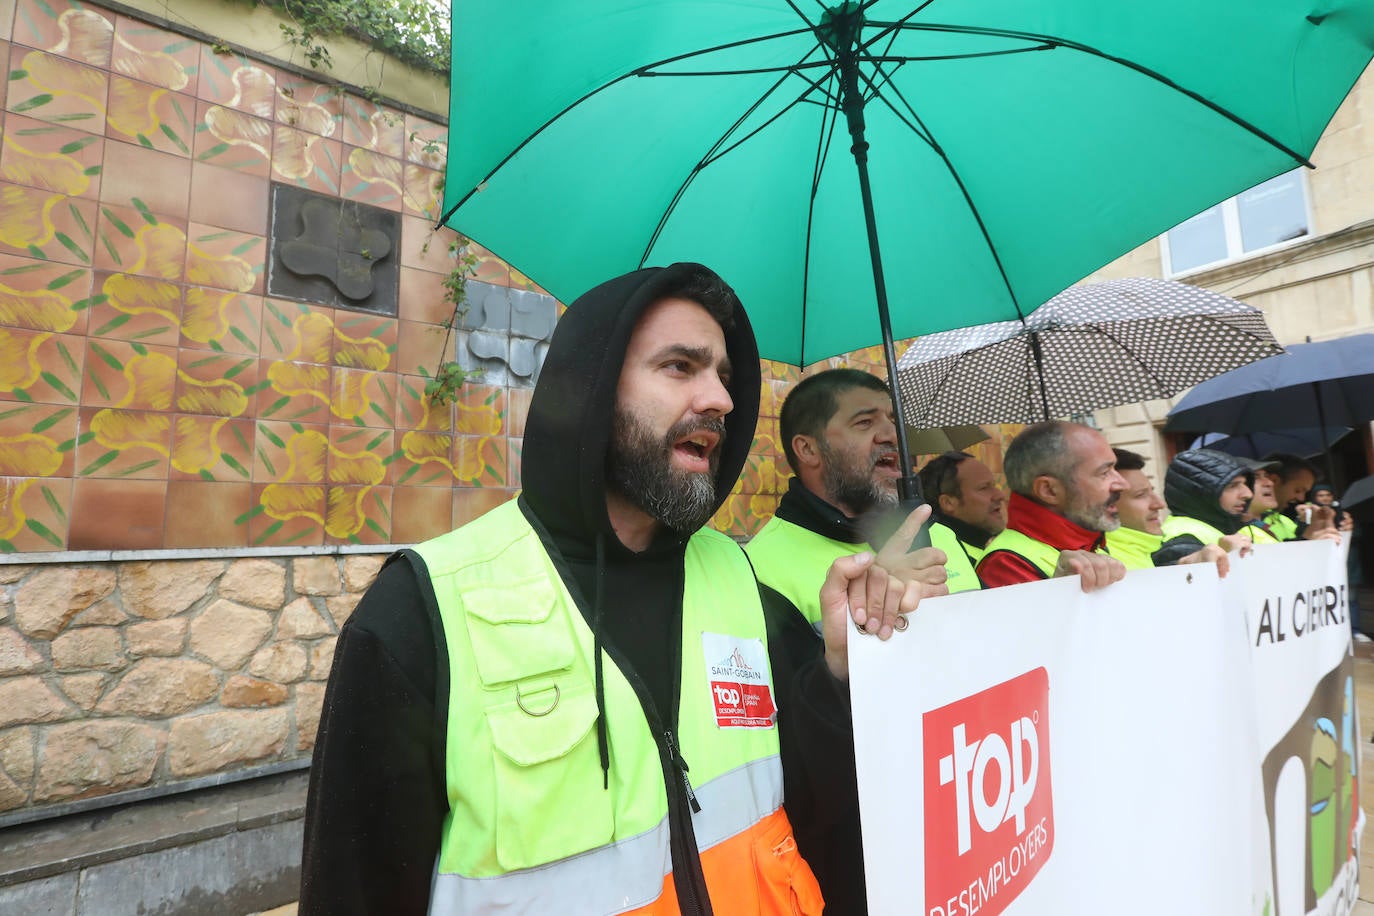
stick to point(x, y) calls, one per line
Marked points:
point(6, 414)
point(89, 302)
point(206, 475)
point(100, 386)
point(64, 280)
point(21, 395)
point(237, 369)
point(251, 513)
point(144, 141)
point(376, 441)
point(234, 464)
point(139, 348)
point(52, 420)
point(172, 135)
point(238, 437)
point(378, 529)
point(117, 321)
point(80, 218)
point(42, 531)
point(259, 386)
point(243, 339)
point(270, 436)
point(91, 170)
point(138, 467)
point(146, 213)
point(216, 150)
point(53, 504)
point(106, 357)
point(37, 252)
point(267, 463)
point(244, 247)
point(150, 332)
point(67, 358)
point(66, 242)
point(271, 307)
point(119, 224)
point(268, 532)
point(77, 116)
point(410, 472)
point(57, 384)
point(37, 101)
point(216, 346)
point(202, 362)
point(75, 146)
point(98, 463)
point(276, 406)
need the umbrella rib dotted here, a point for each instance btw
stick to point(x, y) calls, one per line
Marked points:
point(884, 58)
point(823, 140)
point(925, 134)
point(639, 71)
point(1155, 75)
point(715, 152)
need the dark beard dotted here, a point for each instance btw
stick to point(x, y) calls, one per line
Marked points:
point(852, 486)
point(639, 468)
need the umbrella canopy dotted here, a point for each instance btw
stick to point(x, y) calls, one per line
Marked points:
point(1011, 147)
point(944, 439)
point(1092, 346)
point(1361, 491)
point(1302, 442)
point(1331, 382)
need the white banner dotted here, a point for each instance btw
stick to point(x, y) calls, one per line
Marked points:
point(1175, 743)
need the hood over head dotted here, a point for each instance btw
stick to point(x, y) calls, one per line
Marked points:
point(1194, 484)
point(563, 466)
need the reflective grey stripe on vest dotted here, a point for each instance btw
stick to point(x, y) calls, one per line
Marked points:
point(626, 874)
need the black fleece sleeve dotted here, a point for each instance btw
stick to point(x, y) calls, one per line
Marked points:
point(816, 734)
point(376, 800)
point(1175, 549)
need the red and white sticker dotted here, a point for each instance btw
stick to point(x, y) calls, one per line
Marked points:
point(737, 675)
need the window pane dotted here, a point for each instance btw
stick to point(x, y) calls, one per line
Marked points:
point(1200, 240)
point(1272, 212)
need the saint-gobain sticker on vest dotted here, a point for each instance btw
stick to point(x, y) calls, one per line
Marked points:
point(988, 811)
point(737, 676)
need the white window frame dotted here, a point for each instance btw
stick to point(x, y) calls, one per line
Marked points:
point(1230, 222)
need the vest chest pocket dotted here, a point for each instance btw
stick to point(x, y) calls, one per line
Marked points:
point(550, 803)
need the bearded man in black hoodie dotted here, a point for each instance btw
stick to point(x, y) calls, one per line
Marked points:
point(514, 705)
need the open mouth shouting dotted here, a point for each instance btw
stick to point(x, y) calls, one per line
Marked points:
point(696, 448)
point(885, 465)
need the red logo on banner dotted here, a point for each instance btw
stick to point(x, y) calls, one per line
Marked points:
point(989, 815)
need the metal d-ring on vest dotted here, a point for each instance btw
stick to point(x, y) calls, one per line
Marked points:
point(520, 701)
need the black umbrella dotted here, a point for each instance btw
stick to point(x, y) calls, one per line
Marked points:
point(1331, 383)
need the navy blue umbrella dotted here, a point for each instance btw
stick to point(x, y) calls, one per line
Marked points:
point(1330, 383)
point(1304, 442)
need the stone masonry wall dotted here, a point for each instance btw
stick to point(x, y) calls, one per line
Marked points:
point(124, 675)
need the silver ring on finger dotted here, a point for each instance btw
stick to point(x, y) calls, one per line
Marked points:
point(900, 624)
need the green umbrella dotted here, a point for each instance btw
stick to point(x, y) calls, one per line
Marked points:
point(1011, 147)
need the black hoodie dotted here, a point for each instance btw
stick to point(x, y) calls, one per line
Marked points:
point(1192, 487)
point(377, 797)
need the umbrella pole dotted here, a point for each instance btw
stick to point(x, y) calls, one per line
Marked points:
point(1040, 372)
point(1321, 425)
point(844, 25)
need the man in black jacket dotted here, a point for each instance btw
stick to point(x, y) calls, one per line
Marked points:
point(641, 421)
point(1207, 492)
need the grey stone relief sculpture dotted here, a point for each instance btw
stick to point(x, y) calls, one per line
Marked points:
point(505, 334)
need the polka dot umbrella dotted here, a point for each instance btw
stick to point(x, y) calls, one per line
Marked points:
point(1092, 346)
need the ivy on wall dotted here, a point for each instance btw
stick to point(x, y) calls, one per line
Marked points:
point(415, 31)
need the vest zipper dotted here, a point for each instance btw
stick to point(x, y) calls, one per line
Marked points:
point(682, 767)
point(688, 878)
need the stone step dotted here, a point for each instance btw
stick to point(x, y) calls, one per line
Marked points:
point(227, 849)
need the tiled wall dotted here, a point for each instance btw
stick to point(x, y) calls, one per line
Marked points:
point(151, 394)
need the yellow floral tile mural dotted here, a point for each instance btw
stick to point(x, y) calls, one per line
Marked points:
point(139, 350)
